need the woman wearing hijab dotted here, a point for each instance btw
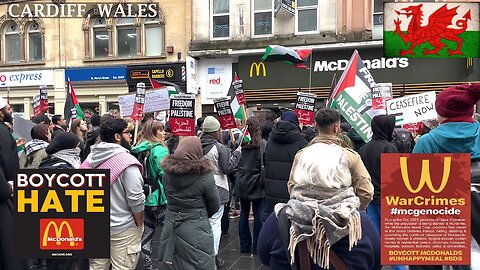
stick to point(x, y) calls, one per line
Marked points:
point(63, 152)
point(323, 211)
point(34, 151)
point(187, 240)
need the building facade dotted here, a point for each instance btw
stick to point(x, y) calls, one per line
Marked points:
point(97, 53)
point(237, 32)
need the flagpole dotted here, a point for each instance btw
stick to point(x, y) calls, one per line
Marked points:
point(310, 79)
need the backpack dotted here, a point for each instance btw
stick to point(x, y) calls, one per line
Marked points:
point(149, 184)
point(403, 139)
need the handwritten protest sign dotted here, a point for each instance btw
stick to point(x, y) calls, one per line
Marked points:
point(225, 114)
point(182, 115)
point(413, 108)
point(155, 100)
point(305, 107)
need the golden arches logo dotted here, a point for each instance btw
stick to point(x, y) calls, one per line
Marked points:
point(425, 176)
point(257, 69)
point(58, 232)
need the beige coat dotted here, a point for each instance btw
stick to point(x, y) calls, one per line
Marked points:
point(361, 180)
point(33, 163)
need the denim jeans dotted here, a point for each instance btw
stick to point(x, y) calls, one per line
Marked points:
point(373, 212)
point(243, 224)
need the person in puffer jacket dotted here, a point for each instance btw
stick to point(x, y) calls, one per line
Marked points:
point(224, 163)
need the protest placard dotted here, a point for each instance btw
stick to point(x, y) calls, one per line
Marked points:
point(239, 91)
point(305, 107)
point(381, 92)
point(43, 98)
point(413, 108)
point(137, 111)
point(182, 115)
point(225, 114)
point(37, 107)
point(155, 100)
point(425, 209)
point(62, 213)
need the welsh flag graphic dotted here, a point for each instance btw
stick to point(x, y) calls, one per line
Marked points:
point(236, 108)
point(431, 30)
point(353, 98)
point(72, 109)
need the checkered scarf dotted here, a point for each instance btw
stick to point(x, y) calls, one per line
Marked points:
point(35, 145)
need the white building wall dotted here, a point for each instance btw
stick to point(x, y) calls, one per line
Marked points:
point(241, 19)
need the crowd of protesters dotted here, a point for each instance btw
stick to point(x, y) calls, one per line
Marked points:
point(313, 193)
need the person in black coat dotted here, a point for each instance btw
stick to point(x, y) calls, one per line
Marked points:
point(249, 186)
point(284, 142)
point(8, 168)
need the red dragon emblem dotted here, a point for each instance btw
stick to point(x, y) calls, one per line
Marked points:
point(438, 27)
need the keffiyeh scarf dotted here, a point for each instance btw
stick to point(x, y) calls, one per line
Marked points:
point(34, 145)
point(321, 217)
point(71, 156)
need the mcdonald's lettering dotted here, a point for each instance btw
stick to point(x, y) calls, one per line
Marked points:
point(72, 240)
point(425, 175)
point(257, 67)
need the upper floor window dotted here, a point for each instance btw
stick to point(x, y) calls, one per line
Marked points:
point(123, 37)
point(220, 18)
point(377, 32)
point(101, 38)
point(306, 17)
point(154, 37)
point(34, 43)
point(262, 17)
point(126, 37)
point(12, 43)
point(21, 40)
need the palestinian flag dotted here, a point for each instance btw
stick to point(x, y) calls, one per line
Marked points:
point(353, 98)
point(236, 107)
point(72, 109)
point(280, 53)
point(431, 30)
point(246, 135)
point(159, 84)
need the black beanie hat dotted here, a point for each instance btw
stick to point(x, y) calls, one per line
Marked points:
point(62, 141)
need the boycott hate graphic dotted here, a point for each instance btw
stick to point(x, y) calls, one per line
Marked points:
point(62, 210)
point(425, 209)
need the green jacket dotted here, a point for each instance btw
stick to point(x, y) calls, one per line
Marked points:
point(158, 152)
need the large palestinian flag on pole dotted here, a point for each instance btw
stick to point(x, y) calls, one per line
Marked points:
point(431, 30)
point(353, 98)
point(72, 109)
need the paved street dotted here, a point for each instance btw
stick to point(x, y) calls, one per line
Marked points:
point(229, 251)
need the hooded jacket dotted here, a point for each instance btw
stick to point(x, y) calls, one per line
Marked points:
point(283, 144)
point(187, 240)
point(126, 193)
point(224, 161)
point(382, 128)
point(249, 184)
point(91, 139)
point(360, 178)
point(453, 137)
point(158, 152)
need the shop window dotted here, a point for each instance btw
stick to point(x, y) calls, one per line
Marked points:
point(306, 17)
point(154, 37)
point(101, 38)
point(220, 19)
point(34, 38)
point(12, 43)
point(126, 38)
point(262, 17)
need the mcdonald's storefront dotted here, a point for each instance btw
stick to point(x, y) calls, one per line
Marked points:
point(271, 83)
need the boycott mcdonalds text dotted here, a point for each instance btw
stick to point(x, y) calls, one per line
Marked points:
point(71, 185)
